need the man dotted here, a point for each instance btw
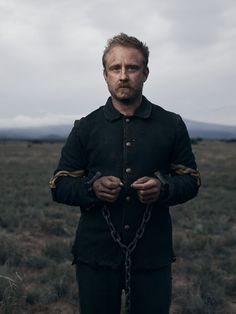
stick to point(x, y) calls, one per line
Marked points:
point(124, 165)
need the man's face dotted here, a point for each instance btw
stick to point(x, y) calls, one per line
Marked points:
point(125, 73)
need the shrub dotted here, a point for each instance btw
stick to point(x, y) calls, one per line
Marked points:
point(59, 279)
point(11, 253)
point(56, 228)
point(36, 262)
point(11, 294)
point(57, 251)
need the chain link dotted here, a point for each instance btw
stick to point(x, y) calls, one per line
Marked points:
point(127, 249)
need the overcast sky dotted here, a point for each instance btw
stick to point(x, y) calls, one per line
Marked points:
point(50, 57)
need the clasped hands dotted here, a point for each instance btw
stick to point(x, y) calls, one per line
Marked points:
point(108, 188)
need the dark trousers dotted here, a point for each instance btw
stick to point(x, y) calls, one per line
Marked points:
point(100, 290)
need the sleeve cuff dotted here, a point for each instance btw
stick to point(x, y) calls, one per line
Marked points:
point(165, 186)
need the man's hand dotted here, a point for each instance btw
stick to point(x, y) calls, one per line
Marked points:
point(107, 188)
point(148, 189)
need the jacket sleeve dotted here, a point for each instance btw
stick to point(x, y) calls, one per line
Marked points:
point(184, 179)
point(68, 187)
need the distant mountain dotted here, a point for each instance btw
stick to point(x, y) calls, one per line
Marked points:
point(210, 130)
point(60, 132)
point(50, 132)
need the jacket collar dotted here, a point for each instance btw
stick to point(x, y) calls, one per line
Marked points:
point(143, 111)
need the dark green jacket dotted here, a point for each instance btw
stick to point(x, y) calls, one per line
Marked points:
point(153, 139)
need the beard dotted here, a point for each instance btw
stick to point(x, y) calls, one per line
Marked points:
point(126, 94)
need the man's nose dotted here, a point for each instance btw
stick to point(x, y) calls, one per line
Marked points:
point(123, 74)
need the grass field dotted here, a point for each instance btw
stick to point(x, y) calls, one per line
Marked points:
point(36, 275)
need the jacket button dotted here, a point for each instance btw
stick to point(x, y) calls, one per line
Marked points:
point(127, 120)
point(126, 227)
point(128, 144)
point(128, 170)
point(127, 198)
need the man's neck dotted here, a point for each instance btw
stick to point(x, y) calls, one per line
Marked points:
point(127, 109)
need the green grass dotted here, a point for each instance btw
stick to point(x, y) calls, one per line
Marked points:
point(36, 275)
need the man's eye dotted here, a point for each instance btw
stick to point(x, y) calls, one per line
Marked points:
point(132, 68)
point(115, 68)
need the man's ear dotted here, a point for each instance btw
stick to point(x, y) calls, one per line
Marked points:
point(105, 74)
point(146, 73)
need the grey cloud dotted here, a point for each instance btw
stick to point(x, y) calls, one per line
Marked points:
point(198, 24)
point(50, 54)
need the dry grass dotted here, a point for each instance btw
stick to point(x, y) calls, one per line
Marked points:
point(36, 235)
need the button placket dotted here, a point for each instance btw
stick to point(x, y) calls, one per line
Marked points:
point(127, 143)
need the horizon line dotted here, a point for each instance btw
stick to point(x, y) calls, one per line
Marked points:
point(48, 120)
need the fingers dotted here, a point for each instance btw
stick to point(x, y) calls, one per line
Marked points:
point(141, 180)
point(107, 188)
point(149, 192)
point(148, 198)
point(145, 183)
point(107, 197)
point(111, 182)
point(148, 189)
point(103, 189)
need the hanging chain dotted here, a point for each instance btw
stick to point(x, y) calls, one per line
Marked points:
point(127, 249)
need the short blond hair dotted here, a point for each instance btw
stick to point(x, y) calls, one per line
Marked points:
point(126, 41)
